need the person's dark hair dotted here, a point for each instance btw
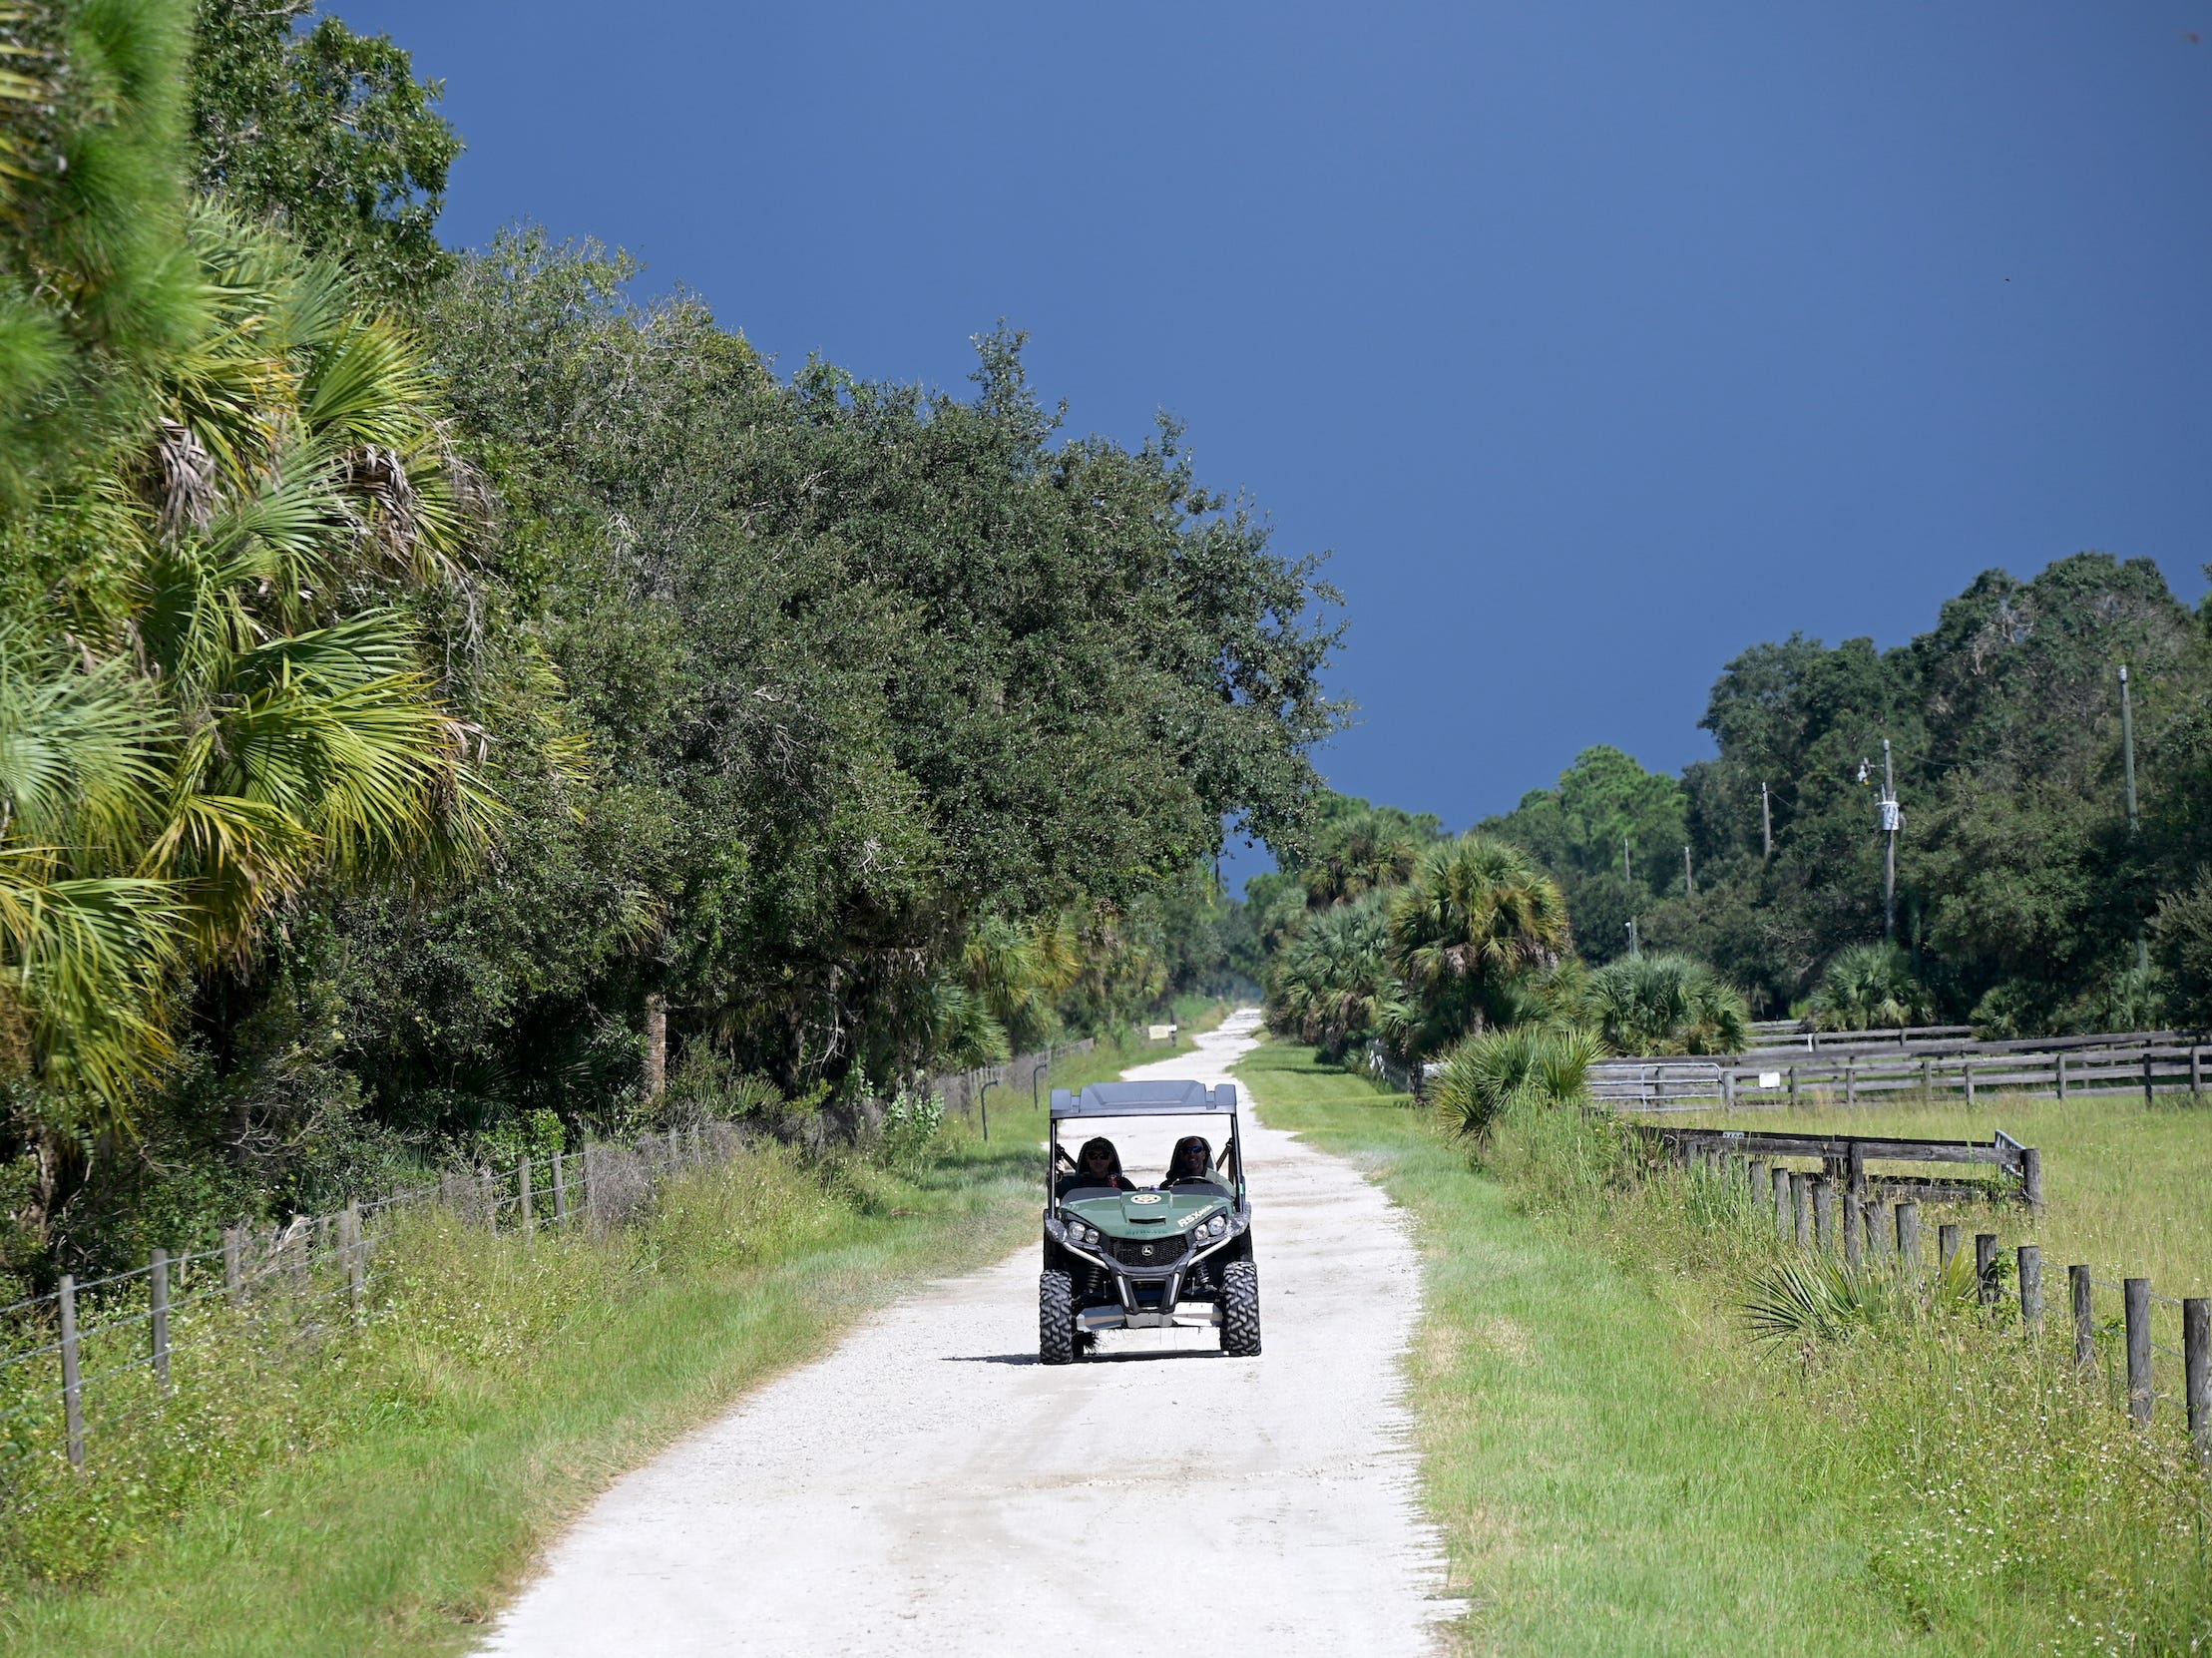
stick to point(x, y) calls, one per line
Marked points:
point(1191, 1143)
point(1098, 1143)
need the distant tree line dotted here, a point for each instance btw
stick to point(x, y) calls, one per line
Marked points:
point(2026, 901)
point(447, 700)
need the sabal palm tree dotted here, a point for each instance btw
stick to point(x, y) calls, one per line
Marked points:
point(1359, 854)
point(1332, 979)
point(264, 716)
point(1478, 914)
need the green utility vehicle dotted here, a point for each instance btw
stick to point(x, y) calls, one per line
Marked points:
point(1120, 1258)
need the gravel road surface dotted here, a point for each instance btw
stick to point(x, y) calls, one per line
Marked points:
point(928, 1487)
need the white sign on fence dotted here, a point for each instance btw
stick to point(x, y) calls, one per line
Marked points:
point(1770, 1079)
point(1159, 1032)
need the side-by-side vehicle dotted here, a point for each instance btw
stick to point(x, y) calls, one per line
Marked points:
point(1177, 1254)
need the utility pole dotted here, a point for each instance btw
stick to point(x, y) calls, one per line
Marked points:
point(1690, 880)
point(1892, 821)
point(2127, 755)
point(1626, 874)
point(1766, 825)
point(1632, 950)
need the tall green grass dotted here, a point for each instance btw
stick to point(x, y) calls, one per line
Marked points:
point(2005, 1504)
point(381, 1491)
point(1600, 1487)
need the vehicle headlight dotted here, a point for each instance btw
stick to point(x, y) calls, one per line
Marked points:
point(1078, 1233)
point(1216, 1226)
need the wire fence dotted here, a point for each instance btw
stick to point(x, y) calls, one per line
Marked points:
point(96, 1352)
point(307, 1278)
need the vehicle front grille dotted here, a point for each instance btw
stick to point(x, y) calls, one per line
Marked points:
point(1161, 1251)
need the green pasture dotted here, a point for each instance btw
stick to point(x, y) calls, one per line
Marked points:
point(2125, 1184)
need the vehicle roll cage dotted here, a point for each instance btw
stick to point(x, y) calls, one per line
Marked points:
point(1144, 1100)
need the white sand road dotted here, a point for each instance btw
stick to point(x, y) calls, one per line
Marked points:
point(930, 1487)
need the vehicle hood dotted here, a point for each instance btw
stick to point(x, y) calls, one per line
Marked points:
point(1143, 1214)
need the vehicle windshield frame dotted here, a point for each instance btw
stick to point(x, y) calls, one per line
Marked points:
point(1070, 1109)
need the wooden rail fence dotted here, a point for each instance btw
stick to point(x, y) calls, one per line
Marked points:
point(2060, 1069)
point(1875, 1229)
point(1845, 1159)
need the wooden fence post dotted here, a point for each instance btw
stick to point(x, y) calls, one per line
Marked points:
point(1854, 1171)
point(2031, 1260)
point(2031, 1178)
point(1782, 1221)
point(1801, 1194)
point(233, 1281)
point(1824, 1213)
point(1850, 1080)
point(1872, 1218)
point(1757, 1170)
point(2083, 1294)
point(1728, 1090)
point(2196, 1071)
point(158, 1315)
point(1908, 1235)
point(1926, 1079)
point(1793, 1085)
point(1853, 1234)
point(1946, 1246)
point(1965, 1069)
point(73, 1382)
point(2135, 1293)
point(1985, 1267)
point(2150, 1088)
point(357, 1250)
point(2196, 1358)
point(2061, 1079)
point(560, 1191)
point(528, 1198)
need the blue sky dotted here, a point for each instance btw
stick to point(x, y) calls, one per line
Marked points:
point(1598, 342)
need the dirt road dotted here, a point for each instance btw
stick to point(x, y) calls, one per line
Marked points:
point(928, 1487)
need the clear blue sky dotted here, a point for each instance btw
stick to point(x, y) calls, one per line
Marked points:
point(1599, 342)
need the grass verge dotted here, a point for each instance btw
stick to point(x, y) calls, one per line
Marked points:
point(461, 1436)
point(1602, 1485)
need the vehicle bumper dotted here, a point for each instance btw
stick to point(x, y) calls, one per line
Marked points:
point(1185, 1314)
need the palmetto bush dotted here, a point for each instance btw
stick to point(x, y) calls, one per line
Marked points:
point(1871, 987)
point(1489, 1072)
point(1666, 1005)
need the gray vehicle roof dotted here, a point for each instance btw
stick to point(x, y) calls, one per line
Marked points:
point(1144, 1100)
